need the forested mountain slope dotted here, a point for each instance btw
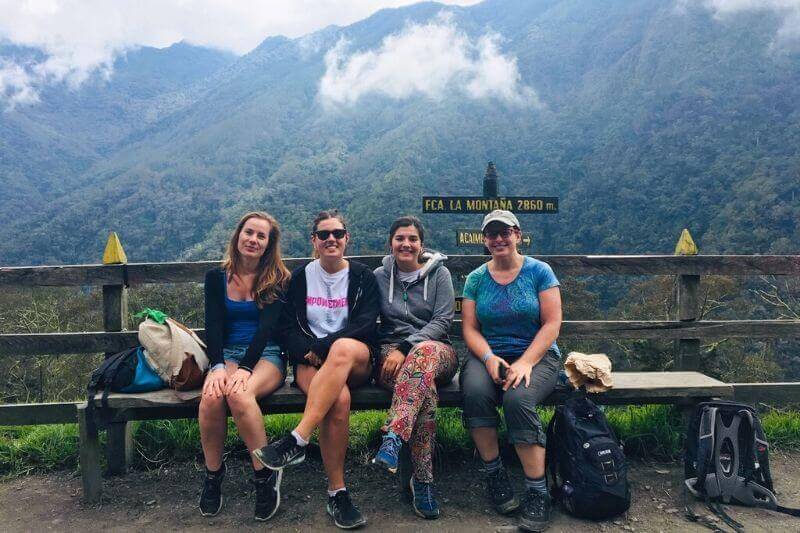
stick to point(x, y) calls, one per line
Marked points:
point(651, 119)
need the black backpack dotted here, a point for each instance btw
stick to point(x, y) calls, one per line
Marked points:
point(727, 460)
point(114, 374)
point(585, 462)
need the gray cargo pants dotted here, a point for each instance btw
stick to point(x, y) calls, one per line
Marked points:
point(482, 398)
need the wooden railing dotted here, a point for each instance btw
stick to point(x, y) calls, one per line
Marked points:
point(687, 329)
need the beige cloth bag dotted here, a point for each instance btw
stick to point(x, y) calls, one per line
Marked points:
point(175, 352)
point(591, 370)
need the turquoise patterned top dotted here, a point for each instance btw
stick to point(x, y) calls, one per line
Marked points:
point(509, 314)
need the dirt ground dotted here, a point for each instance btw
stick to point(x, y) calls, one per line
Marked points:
point(166, 500)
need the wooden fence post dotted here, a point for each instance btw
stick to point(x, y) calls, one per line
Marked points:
point(119, 445)
point(687, 353)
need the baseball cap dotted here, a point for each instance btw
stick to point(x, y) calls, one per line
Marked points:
point(500, 215)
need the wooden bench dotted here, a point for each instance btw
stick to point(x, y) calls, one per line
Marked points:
point(683, 389)
point(686, 328)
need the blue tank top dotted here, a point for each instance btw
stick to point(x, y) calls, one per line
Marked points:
point(241, 319)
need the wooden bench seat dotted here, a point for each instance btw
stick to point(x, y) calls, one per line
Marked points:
point(679, 388)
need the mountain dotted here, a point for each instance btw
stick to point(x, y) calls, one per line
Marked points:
point(653, 119)
point(47, 147)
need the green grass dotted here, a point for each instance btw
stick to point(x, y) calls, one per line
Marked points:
point(653, 431)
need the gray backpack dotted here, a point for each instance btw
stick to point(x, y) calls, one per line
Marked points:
point(727, 461)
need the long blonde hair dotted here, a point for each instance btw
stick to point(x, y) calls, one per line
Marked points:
point(272, 276)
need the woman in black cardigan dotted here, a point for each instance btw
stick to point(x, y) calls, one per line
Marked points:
point(243, 301)
point(328, 332)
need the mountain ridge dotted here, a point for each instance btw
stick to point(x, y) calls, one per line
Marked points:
point(653, 121)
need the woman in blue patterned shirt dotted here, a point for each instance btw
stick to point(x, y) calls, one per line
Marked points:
point(511, 318)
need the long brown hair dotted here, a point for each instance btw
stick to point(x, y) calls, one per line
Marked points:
point(272, 276)
point(325, 215)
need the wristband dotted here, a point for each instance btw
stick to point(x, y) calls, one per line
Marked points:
point(486, 356)
point(218, 366)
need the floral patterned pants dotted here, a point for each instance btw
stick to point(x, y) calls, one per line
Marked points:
point(412, 415)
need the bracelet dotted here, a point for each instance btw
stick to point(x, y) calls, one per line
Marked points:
point(486, 356)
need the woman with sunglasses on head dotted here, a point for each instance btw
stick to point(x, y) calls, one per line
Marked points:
point(328, 332)
point(511, 316)
point(417, 308)
point(243, 301)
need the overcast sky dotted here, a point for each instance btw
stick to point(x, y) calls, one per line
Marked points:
point(235, 25)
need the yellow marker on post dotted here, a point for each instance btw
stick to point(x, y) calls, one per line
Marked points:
point(114, 254)
point(686, 245)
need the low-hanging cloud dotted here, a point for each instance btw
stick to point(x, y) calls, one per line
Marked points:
point(432, 60)
point(79, 38)
point(16, 85)
point(788, 10)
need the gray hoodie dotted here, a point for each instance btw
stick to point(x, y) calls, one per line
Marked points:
point(418, 311)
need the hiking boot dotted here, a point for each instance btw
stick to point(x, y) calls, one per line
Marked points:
point(498, 488)
point(268, 495)
point(388, 455)
point(345, 515)
point(281, 453)
point(423, 500)
point(211, 497)
point(535, 513)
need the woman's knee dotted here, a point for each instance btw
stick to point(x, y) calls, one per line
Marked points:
point(240, 403)
point(425, 348)
point(211, 406)
point(522, 421)
point(347, 351)
point(480, 399)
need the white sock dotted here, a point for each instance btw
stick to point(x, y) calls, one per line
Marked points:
point(300, 440)
point(332, 493)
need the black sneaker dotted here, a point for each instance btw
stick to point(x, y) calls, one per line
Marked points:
point(535, 513)
point(498, 488)
point(281, 453)
point(268, 495)
point(211, 497)
point(345, 515)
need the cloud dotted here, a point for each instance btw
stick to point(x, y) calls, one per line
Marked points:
point(432, 60)
point(80, 37)
point(788, 10)
point(15, 85)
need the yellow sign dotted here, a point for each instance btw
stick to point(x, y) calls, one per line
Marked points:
point(686, 245)
point(114, 254)
point(474, 237)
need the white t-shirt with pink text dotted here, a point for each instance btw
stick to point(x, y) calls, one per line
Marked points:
point(326, 299)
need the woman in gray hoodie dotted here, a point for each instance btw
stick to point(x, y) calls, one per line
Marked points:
point(417, 307)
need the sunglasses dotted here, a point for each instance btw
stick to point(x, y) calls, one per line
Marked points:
point(323, 234)
point(493, 234)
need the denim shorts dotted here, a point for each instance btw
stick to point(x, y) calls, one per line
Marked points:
point(271, 353)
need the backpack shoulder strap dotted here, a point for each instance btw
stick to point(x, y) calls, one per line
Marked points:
point(705, 446)
point(551, 455)
point(788, 510)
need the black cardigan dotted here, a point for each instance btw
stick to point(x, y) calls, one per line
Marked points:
point(363, 305)
point(215, 287)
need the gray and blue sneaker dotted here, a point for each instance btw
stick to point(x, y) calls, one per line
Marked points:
point(281, 453)
point(388, 455)
point(424, 500)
